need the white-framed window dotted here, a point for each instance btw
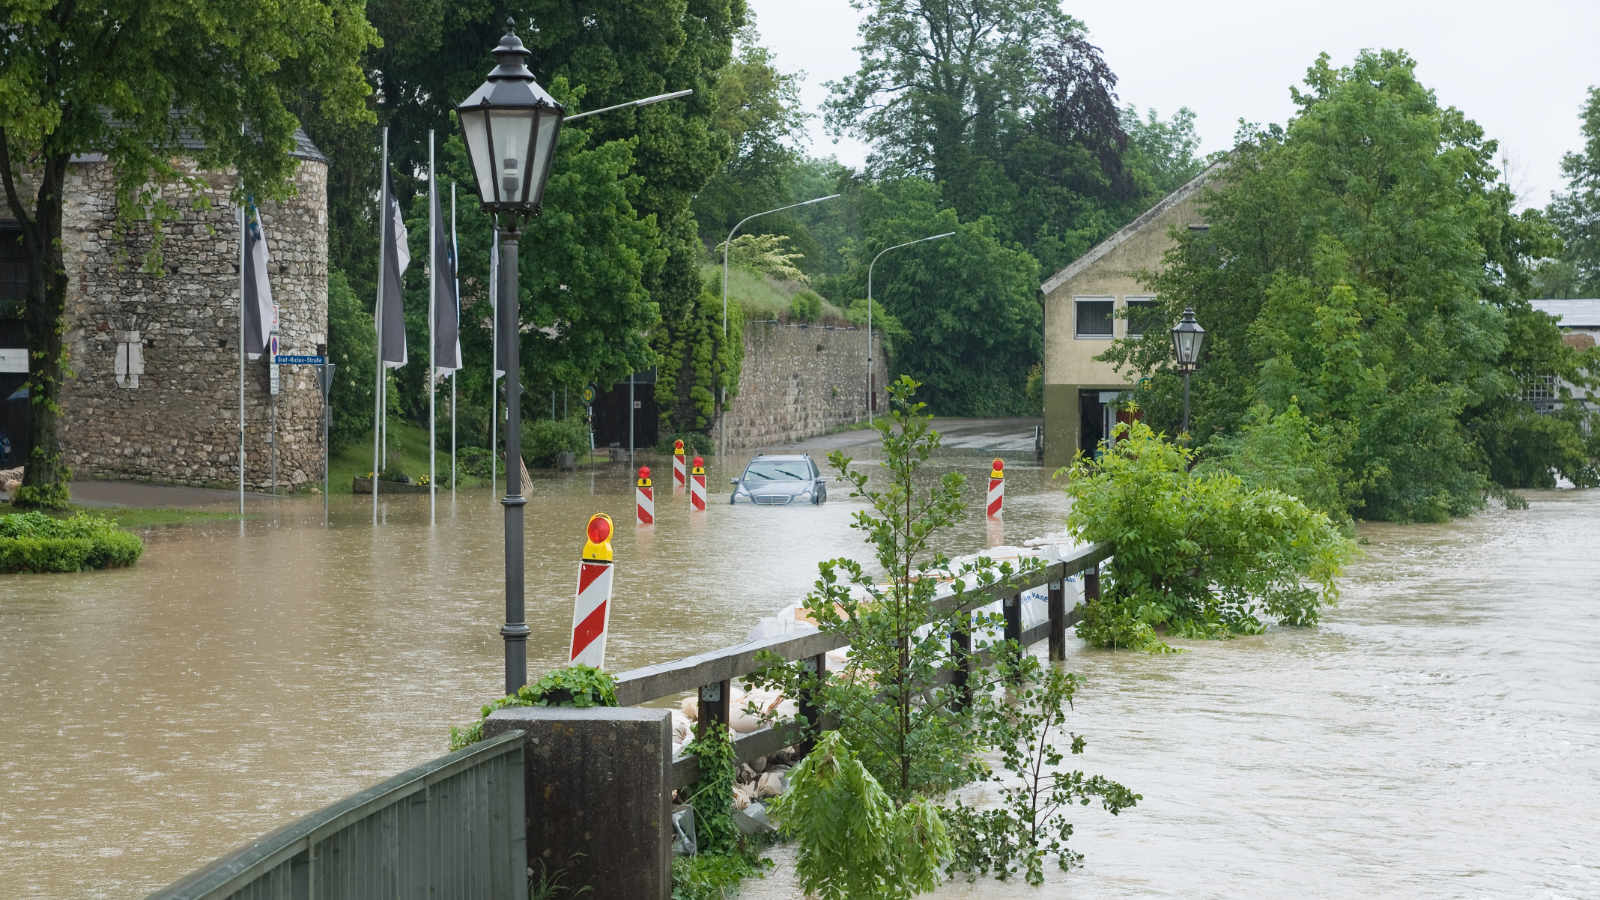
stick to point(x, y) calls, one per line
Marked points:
point(1092, 317)
point(1143, 317)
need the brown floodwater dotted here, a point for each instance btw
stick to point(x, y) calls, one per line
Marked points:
point(1438, 735)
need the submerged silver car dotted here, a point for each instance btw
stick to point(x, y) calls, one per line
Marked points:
point(778, 480)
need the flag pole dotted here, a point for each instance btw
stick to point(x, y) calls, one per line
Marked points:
point(241, 361)
point(433, 352)
point(377, 385)
point(456, 253)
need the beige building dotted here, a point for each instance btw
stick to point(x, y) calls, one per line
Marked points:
point(1094, 301)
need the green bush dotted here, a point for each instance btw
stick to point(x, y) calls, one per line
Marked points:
point(806, 306)
point(543, 441)
point(1200, 553)
point(35, 542)
point(575, 685)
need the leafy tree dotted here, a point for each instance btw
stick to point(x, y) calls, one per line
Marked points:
point(759, 108)
point(109, 79)
point(1162, 155)
point(970, 301)
point(1198, 553)
point(1363, 265)
point(353, 348)
point(1576, 212)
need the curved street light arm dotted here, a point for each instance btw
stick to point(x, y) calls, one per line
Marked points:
point(931, 237)
point(645, 101)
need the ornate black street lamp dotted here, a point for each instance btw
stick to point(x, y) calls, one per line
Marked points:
point(511, 125)
point(1187, 336)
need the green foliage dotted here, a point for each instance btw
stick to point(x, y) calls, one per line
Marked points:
point(969, 301)
point(1199, 553)
point(723, 857)
point(910, 730)
point(575, 685)
point(853, 840)
point(546, 439)
point(805, 307)
point(353, 348)
point(36, 542)
point(1576, 212)
point(1385, 312)
point(1027, 827)
point(767, 254)
point(714, 876)
point(545, 883)
point(1285, 452)
point(52, 495)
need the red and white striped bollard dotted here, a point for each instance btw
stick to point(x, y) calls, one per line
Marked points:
point(644, 498)
point(997, 487)
point(591, 611)
point(677, 467)
point(697, 485)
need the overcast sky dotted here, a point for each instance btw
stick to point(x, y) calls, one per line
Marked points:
point(1519, 69)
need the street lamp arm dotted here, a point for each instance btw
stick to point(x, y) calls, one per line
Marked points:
point(646, 101)
point(729, 242)
point(931, 237)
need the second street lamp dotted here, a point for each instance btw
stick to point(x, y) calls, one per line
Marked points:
point(1187, 336)
point(511, 126)
point(931, 237)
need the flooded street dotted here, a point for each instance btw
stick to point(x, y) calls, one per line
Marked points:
point(1439, 735)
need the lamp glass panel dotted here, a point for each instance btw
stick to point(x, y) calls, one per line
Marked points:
point(512, 130)
point(1187, 344)
point(475, 130)
point(543, 146)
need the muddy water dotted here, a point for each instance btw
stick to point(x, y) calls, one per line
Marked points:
point(1438, 736)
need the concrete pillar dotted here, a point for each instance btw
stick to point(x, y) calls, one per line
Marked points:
point(599, 802)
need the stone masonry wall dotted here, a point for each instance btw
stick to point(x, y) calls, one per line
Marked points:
point(799, 381)
point(178, 421)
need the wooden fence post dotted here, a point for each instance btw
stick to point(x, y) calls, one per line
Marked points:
point(808, 707)
point(1058, 619)
point(716, 701)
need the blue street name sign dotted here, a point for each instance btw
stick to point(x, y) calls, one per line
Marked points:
point(294, 359)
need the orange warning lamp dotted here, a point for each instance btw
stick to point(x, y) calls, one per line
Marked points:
point(599, 528)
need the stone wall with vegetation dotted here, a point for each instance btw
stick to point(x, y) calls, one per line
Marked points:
point(799, 381)
point(178, 421)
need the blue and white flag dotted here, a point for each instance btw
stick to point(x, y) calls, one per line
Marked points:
point(494, 295)
point(260, 313)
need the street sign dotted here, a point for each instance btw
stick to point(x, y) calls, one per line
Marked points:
point(299, 359)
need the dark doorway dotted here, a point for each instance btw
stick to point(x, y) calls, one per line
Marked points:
point(611, 414)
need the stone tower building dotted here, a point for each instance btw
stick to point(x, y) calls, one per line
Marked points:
point(154, 394)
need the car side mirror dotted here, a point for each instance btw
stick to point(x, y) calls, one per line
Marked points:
point(733, 481)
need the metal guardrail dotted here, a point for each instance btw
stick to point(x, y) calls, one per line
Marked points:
point(452, 827)
point(712, 674)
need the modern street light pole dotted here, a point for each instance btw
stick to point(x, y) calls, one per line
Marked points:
point(1187, 336)
point(931, 237)
point(721, 376)
point(511, 125)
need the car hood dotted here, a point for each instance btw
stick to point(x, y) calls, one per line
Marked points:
point(776, 488)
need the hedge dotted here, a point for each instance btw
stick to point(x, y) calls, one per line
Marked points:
point(35, 542)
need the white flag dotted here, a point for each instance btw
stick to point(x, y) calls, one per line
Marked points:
point(260, 313)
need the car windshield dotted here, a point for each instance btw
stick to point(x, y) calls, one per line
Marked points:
point(773, 470)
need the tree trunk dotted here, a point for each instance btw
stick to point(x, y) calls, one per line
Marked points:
point(44, 481)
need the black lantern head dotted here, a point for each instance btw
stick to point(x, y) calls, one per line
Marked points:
point(1187, 336)
point(511, 125)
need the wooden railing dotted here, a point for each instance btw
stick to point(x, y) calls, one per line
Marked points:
point(453, 827)
point(711, 675)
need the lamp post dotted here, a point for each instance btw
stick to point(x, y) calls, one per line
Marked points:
point(721, 376)
point(931, 237)
point(511, 125)
point(1187, 336)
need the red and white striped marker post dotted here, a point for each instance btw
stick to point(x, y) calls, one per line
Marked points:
point(697, 485)
point(591, 612)
point(644, 497)
point(677, 466)
point(997, 487)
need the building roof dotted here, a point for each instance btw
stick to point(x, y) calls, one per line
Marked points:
point(188, 140)
point(1571, 313)
point(1129, 230)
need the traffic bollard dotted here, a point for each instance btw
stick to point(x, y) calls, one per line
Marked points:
point(591, 612)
